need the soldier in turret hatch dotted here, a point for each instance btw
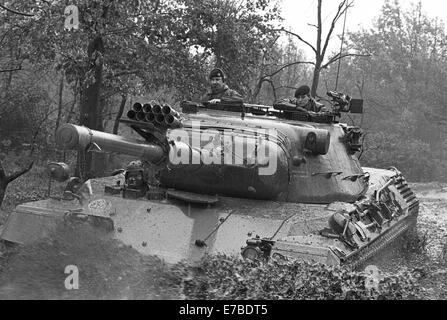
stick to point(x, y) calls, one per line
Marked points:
point(219, 91)
point(302, 101)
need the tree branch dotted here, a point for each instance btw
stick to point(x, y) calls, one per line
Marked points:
point(286, 66)
point(17, 174)
point(16, 12)
point(11, 70)
point(338, 57)
point(339, 13)
point(125, 73)
point(286, 87)
point(298, 36)
point(273, 87)
point(2, 172)
point(319, 57)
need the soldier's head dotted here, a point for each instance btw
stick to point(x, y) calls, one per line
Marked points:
point(217, 79)
point(302, 95)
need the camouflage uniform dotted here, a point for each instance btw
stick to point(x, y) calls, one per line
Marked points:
point(226, 95)
point(312, 105)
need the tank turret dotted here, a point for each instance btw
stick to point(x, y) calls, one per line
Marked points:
point(248, 157)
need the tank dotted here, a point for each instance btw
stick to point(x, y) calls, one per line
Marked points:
point(238, 179)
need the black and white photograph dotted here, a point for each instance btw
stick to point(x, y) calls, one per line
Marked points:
point(223, 156)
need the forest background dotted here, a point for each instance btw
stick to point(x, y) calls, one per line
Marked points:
point(133, 50)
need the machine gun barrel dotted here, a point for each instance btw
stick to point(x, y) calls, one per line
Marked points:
point(73, 137)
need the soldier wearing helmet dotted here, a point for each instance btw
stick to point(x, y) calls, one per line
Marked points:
point(219, 91)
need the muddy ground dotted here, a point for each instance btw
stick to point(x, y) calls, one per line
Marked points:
point(109, 270)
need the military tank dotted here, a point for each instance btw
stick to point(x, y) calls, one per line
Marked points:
point(231, 178)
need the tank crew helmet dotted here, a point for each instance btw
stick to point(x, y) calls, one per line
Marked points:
point(217, 73)
point(301, 91)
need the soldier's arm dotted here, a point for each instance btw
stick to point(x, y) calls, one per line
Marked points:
point(287, 104)
point(319, 107)
point(206, 97)
point(232, 96)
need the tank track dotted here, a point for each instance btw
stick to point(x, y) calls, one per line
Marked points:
point(373, 249)
point(394, 232)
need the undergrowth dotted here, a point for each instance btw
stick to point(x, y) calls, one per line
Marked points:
point(223, 277)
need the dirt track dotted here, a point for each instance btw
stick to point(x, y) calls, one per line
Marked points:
point(432, 221)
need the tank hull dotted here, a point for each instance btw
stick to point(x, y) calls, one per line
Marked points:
point(171, 228)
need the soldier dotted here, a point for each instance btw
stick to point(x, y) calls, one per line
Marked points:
point(302, 101)
point(219, 91)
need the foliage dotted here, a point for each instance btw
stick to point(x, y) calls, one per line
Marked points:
point(281, 69)
point(403, 86)
point(29, 187)
point(24, 112)
point(168, 47)
point(222, 277)
point(234, 32)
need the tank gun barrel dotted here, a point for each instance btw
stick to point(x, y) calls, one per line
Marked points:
point(73, 137)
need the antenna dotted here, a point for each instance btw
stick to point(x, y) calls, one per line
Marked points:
point(341, 46)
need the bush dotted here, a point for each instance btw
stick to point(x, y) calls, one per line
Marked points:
point(411, 156)
point(221, 277)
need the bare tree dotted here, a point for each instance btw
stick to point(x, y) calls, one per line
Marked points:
point(322, 43)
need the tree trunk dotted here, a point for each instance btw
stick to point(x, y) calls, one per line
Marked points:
point(316, 78)
point(319, 55)
point(8, 79)
point(89, 107)
point(120, 113)
point(70, 113)
point(8, 82)
point(3, 183)
point(59, 109)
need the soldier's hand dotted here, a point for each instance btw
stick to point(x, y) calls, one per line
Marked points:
point(214, 101)
point(301, 109)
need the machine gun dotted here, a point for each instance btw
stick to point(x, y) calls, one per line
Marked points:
point(344, 103)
